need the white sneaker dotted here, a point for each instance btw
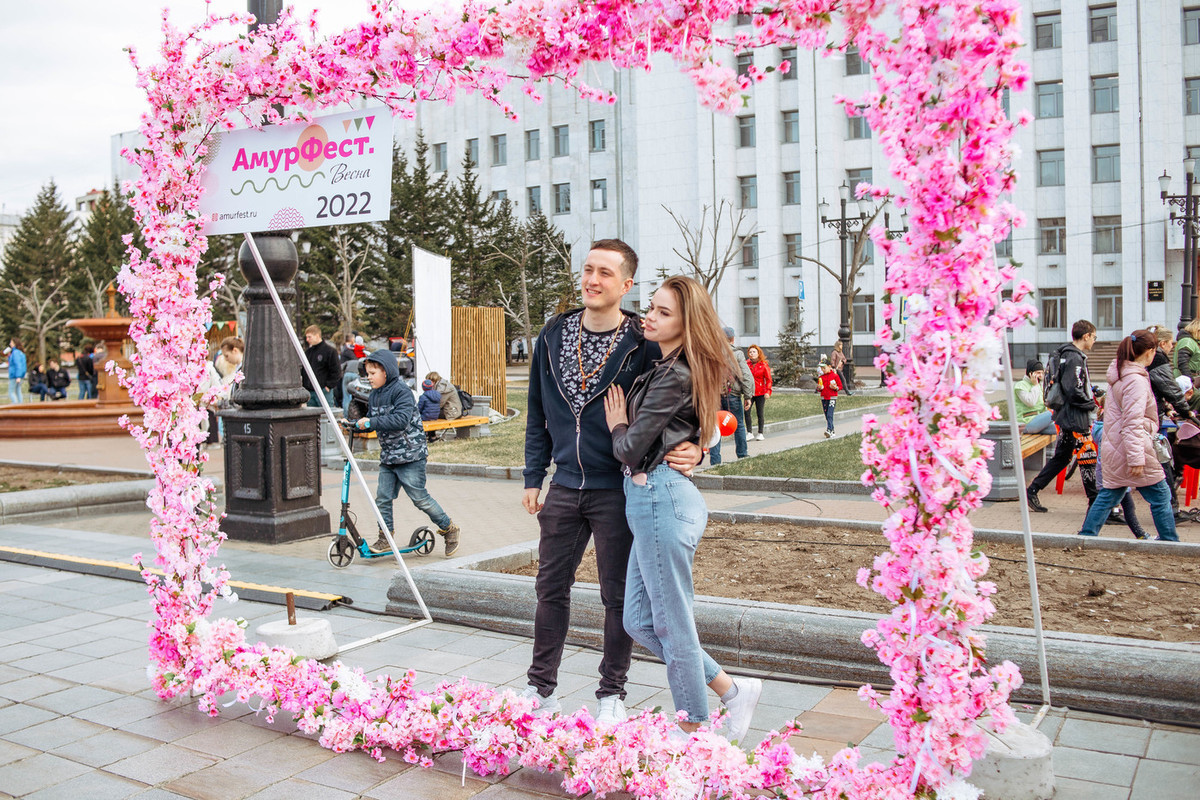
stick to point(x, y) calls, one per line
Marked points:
point(741, 708)
point(759, 437)
point(547, 706)
point(611, 711)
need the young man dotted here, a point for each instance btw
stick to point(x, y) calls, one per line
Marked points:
point(576, 358)
point(736, 402)
point(1074, 418)
point(57, 380)
point(392, 414)
point(323, 359)
point(87, 373)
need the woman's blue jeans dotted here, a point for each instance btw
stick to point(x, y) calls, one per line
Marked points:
point(1041, 423)
point(1159, 498)
point(668, 516)
point(14, 391)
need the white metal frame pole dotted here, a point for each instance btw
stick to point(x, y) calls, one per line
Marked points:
point(287, 323)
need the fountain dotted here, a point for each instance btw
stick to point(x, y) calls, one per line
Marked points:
point(75, 418)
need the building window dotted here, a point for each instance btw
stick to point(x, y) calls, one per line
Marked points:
point(745, 129)
point(787, 55)
point(1191, 96)
point(533, 196)
point(744, 62)
point(855, 65)
point(1191, 26)
point(562, 140)
point(791, 249)
point(744, 19)
point(864, 313)
point(791, 188)
point(1103, 24)
point(1052, 236)
point(533, 145)
point(857, 128)
point(1006, 103)
point(1108, 307)
point(750, 316)
point(791, 127)
point(596, 136)
point(472, 152)
point(1047, 31)
point(1051, 168)
point(1054, 309)
point(562, 198)
point(500, 150)
point(499, 196)
point(600, 194)
point(1105, 98)
point(791, 311)
point(1004, 246)
point(1106, 163)
point(750, 252)
point(439, 157)
point(1049, 100)
point(1106, 234)
point(856, 176)
point(748, 191)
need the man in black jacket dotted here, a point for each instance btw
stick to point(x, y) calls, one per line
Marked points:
point(1074, 417)
point(323, 359)
point(576, 358)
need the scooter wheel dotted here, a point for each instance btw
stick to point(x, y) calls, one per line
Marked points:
point(341, 552)
point(422, 541)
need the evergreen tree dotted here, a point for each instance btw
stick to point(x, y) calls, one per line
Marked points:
point(473, 225)
point(420, 216)
point(40, 250)
point(790, 365)
point(221, 259)
point(99, 254)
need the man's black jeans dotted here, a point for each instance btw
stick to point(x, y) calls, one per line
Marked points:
point(1063, 450)
point(568, 519)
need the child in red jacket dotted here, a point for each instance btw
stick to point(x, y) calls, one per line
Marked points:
point(830, 384)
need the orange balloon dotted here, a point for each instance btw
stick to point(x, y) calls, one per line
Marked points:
point(727, 422)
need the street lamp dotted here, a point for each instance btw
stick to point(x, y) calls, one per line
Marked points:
point(852, 219)
point(1188, 219)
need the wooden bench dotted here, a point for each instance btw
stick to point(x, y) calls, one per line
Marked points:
point(1033, 443)
point(463, 424)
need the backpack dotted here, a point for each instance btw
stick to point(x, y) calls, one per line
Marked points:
point(467, 401)
point(1053, 393)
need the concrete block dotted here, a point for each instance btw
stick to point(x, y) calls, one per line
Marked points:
point(310, 637)
point(1017, 765)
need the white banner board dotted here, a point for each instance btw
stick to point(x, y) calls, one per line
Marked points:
point(335, 170)
point(431, 301)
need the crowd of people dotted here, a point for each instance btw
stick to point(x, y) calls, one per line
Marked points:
point(49, 380)
point(1137, 434)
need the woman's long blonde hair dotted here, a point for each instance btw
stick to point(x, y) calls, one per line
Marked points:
point(706, 350)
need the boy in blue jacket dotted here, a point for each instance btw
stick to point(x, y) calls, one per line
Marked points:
point(431, 401)
point(392, 414)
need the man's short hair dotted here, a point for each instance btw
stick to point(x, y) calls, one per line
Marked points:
point(1081, 329)
point(629, 259)
point(313, 329)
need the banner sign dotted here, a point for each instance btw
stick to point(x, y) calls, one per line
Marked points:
point(334, 170)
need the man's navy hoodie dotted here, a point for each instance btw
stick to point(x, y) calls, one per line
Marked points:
point(581, 447)
point(393, 413)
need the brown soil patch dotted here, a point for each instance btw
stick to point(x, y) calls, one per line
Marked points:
point(1115, 593)
point(18, 479)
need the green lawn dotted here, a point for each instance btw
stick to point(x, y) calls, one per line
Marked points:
point(834, 460)
point(504, 448)
point(780, 407)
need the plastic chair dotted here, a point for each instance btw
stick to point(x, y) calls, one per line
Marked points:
point(1191, 480)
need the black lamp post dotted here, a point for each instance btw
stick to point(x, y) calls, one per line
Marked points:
point(1189, 220)
point(852, 218)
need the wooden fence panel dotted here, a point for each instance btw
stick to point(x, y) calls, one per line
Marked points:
point(477, 355)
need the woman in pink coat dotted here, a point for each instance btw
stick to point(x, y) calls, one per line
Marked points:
point(1127, 456)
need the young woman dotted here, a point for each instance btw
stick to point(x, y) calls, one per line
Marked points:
point(1130, 424)
point(16, 370)
point(761, 371)
point(837, 360)
point(675, 402)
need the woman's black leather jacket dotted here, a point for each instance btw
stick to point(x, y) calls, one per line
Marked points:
point(661, 415)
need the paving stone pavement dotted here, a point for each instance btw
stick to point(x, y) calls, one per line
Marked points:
point(77, 719)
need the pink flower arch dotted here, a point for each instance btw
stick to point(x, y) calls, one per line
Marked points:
point(940, 70)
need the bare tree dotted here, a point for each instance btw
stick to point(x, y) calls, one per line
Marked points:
point(707, 250)
point(345, 289)
point(520, 259)
point(858, 259)
point(42, 314)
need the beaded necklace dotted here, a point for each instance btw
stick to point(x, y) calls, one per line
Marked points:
point(584, 375)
